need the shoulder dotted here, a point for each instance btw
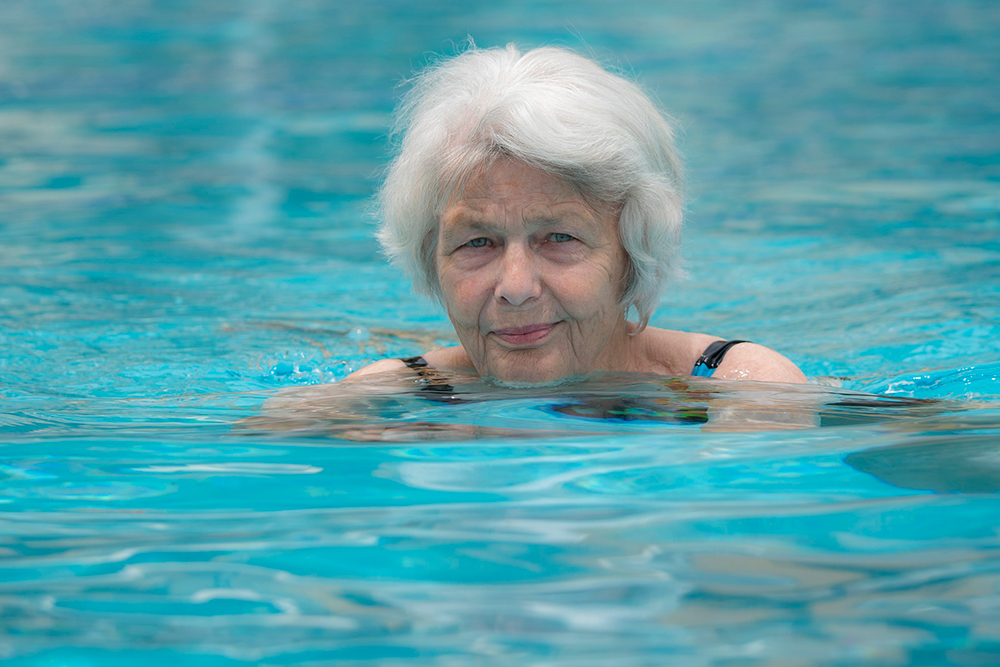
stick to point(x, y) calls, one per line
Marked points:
point(675, 353)
point(449, 357)
point(381, 366)
point(749, 361)
point(445, 357)
point(669, 352)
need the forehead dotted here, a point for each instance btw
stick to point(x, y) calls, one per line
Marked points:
point(507, 182)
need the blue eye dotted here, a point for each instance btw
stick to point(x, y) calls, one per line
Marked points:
point(559, 237)
point(480, 242)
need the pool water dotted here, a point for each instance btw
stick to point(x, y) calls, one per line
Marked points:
point(184, 237)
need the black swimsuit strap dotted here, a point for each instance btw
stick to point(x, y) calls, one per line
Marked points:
point(416, 363)
point(713, 354)
point(433, 382)
point(710, 358)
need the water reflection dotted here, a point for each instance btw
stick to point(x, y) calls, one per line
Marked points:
point(953, 462)
point(401, 407)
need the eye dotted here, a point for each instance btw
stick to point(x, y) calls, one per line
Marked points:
point(480, 242)
point(559, 237)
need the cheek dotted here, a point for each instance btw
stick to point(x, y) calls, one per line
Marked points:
point(462, 292)
point(594, 288)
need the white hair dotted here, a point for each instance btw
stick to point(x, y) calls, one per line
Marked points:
point(554, 110)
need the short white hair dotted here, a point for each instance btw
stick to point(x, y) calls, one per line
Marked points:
point(553, 110)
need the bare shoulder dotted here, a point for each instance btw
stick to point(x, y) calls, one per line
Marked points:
point(676, 352)
point(445, 357)
point(670, 352)
point(749, 361)
point(381, 366)
point(449, 357)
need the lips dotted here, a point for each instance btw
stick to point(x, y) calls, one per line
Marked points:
point(526, 335)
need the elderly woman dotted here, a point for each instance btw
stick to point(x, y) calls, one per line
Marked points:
point(538, 197)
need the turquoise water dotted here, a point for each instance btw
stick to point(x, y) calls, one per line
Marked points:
point(183, 233)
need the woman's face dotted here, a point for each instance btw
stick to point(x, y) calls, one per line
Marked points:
point(531, 276)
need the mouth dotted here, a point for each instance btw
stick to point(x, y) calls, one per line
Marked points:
point(531, 334)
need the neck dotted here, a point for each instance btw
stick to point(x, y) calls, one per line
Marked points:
point(622, 351)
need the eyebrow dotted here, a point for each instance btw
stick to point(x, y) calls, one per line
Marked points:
point(461, 222)
point(460, 225)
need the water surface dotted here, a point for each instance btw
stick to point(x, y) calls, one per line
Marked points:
point(183, 234)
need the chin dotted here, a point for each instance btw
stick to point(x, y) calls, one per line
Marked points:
point(530, 373)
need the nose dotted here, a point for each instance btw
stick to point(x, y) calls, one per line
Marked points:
point(518, 281)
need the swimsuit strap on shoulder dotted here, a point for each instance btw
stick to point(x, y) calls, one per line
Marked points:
point(712, 357)
point(432, 381)
point(416, 363)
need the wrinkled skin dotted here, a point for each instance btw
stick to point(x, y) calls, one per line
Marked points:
point(532, 276)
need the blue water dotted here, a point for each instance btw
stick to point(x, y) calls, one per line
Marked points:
point(183, 234)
